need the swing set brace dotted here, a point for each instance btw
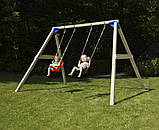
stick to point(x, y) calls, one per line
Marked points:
point(47, 57)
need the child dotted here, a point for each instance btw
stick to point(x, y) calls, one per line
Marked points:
point(55, 63)
point(83, 65)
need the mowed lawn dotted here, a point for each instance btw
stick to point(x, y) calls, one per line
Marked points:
point(83, 104)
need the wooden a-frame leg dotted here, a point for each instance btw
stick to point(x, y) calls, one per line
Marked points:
point(113, 73)
point(34, 61)
point(131, 59)
point(59, 53)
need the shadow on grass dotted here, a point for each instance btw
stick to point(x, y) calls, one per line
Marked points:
point(53, 81)
point(98, 95)
point(43, 80)
point(74, 90)
point(125, 99)
point(131, 88)
point(41, 89)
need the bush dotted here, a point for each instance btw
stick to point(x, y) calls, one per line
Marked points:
point(41, 68)
point(147, 67)
point(100, 67)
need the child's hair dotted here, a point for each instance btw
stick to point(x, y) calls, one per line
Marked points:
point(88, 58)
point(57, 57)
point(85, 56)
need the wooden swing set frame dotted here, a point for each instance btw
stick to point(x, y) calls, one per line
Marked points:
point(117, 29)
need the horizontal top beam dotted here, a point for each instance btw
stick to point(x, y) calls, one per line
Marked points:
point(47, 57)
point(85, 24)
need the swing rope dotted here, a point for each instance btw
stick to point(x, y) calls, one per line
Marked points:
point(61, 41)
point(98, 41)
point(67, 45)
point(87, 40)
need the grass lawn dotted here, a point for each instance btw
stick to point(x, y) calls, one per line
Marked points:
point(82, 104)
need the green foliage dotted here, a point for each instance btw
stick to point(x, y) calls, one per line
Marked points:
point(10, 65)
point(100, 67)
point(147, 67)
point(41, 68)
point(26, 24)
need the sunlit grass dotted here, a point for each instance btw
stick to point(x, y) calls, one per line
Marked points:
point(47, 104)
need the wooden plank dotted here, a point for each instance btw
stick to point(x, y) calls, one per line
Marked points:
point(113, 73)
point(123, 56)
point(131, 59)
point(34, 61)
point(49, 57)
point(86, 24)
point(59, 53)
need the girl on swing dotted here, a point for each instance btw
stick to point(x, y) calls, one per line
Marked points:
point(83, 65)
point(54, 65)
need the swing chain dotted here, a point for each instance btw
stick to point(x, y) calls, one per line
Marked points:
point(87, 39)
point(98, 41)
point(67, 44)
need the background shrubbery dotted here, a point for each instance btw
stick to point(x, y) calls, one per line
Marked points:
point(147, 67)
point(24, 26)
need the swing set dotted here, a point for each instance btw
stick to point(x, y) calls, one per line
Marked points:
point(61, 63)
point(116, 28)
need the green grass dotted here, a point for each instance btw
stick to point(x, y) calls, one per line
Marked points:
point(82, 104)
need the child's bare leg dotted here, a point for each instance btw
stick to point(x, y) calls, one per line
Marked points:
point(80, 73)
point(48, 74)
point(73, 70)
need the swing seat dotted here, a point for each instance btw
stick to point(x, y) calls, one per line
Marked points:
point(57, 69)
point(84, 72)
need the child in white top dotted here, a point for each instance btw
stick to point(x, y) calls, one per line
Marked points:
point(83, 64)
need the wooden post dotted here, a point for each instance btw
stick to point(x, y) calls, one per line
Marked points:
point(113, 73)
point(131, 59)
point(35, 60)
point(59, 53)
